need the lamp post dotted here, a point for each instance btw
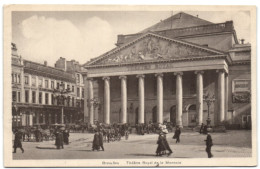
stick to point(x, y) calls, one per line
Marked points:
point(61, 94)
point(209, 100)
point(94, 101)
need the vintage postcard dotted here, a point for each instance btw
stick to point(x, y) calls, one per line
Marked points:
point(129, 86)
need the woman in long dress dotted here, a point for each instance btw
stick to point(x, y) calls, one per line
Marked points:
point(161, 145)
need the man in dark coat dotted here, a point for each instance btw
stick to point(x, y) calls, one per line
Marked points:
point(58, 139)
point(101, 140)
point(177, 134)
point(61, 139)
point(95, 145)
point(209, 144)
point(201, 128)
point(66, 137)
point(18, 141)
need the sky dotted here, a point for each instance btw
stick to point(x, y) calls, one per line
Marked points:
point(82, 35)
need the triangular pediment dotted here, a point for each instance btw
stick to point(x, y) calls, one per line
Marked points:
point(152, 47)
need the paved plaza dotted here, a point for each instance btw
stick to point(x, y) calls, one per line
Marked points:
point(192, 145)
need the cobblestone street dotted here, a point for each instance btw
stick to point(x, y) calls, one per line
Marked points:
point(229, 144)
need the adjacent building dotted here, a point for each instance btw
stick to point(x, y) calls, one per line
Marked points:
point(164, 72)
point(33, 98)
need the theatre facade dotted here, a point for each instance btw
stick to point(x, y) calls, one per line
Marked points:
point(166, 72)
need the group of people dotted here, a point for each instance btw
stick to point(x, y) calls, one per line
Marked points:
point(61, 138)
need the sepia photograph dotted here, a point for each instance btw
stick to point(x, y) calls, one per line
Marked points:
point(129, 86)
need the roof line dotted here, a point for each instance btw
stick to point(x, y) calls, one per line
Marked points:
point(153, 34)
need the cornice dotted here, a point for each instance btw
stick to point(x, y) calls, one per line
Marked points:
point(160, 61)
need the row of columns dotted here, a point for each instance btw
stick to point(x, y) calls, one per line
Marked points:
point(222, 97)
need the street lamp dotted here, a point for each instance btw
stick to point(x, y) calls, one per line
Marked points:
point(94, 101)
point(209, 100)
point(61, 94)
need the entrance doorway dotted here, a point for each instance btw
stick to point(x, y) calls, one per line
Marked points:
point(173, 115)
point(192, 115)
point(136, 115)
point(246, 121)
point(154, 117)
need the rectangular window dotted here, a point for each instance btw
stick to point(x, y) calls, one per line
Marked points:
point(46, 98)
point(26, 96)
point(68, 101)
point(52, 99)
point(40, 82)
point(155, 86)
point(82, 93)
point(34, 81)
point(18, 97)
point(18, 79)
point(15, 78)
point(58, 85)
point(72, 101)
point(78, 104)
point(52, 84)
point(72, 88)
point(12, 78)
point(14, 96)
point(40, 98)
point(68, 86)
point(46, 84)
point(78, 78)
point(33, 97)
point(26, 80)
point(78, 92)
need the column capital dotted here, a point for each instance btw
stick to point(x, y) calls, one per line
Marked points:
point(199, 72)
point(106, 78)
point(140, 76)
point(122, 77)
point(221, 71)
point(159, 74)
point(178, 73)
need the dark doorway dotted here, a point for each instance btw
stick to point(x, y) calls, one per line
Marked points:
point(136, 115)
point(154, 114)
point(173, 115)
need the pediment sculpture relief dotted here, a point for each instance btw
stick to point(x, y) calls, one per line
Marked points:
point(153, 48)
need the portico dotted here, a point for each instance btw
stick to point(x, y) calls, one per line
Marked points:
point(125, 79)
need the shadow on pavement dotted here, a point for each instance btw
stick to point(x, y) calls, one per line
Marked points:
point(46, 147)
point(142, 155)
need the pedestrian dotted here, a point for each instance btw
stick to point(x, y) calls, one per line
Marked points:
point(164, 130)
point(101, 141)
point(209, 144)
point(18, 141)
point(177, 134)
point(161, 145)
point(201, 128)
point(95, 145)
point(57, 139)
point(126, 134)
point(205, 129)
point(61, 139)
point(66, 136)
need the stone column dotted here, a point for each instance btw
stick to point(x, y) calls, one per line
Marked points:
point(179, 98)
point(199, 91)
point(141, 98)
point(226, 95)
point(90, 101)
point(159, 97)
point(123, 99)
point(107, 99)
point(86, 99)
point(221, 95)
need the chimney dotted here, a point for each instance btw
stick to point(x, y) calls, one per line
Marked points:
point(242, 41)
point(45, 63)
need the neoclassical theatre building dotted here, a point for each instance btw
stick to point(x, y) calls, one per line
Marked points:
point(163, 73)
